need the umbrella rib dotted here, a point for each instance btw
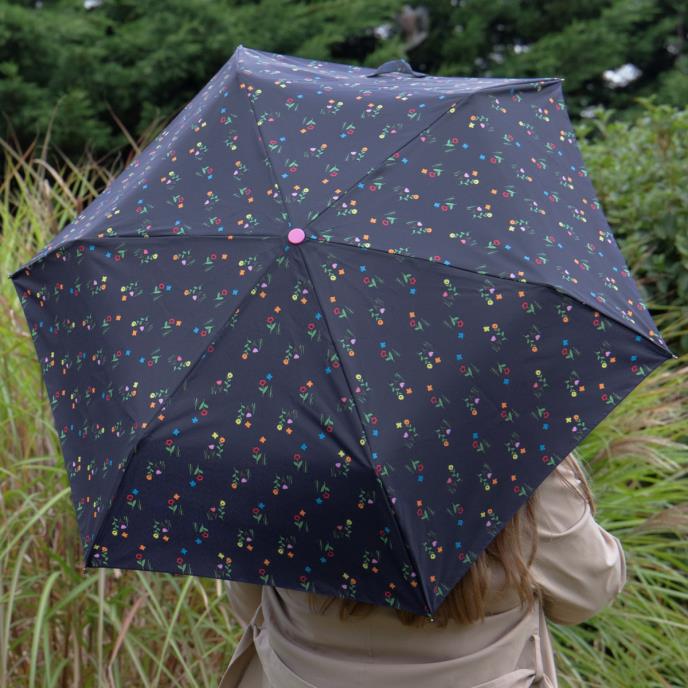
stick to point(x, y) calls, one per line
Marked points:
point(151, 423)
point(508, 279)
point(237, 74)
point(67, 243)
point(458, 101)
point(376, 167)
point(402, 539)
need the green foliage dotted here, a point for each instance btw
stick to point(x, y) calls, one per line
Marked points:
point(77, 71)
point(640, 171)
point(61, 625)
point(575, 40)
point(83, 72)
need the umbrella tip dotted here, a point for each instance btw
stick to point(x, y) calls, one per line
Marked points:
point(296, 235)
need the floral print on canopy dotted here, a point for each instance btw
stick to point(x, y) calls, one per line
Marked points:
point(329, 332)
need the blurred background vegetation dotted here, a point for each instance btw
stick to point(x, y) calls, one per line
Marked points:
point(83, 63)
point(86, 84)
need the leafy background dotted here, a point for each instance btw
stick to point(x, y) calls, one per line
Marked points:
point(84, 86)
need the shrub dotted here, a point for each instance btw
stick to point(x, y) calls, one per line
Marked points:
point(639, 170)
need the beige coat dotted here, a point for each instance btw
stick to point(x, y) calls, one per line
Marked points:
point(580, 566)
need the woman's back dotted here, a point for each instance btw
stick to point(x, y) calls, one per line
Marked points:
point(578, 565)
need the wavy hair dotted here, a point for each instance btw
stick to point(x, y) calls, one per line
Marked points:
point(466, 601)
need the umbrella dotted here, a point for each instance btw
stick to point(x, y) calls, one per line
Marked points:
point(332, 327)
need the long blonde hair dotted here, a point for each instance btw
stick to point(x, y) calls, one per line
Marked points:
point(466, 601)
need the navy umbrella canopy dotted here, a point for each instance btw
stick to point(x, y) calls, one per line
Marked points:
point(332, 328)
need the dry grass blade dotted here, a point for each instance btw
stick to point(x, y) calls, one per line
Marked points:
point(673, 519)
point(129, 617)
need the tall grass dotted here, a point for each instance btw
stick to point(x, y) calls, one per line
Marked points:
point(62, 626)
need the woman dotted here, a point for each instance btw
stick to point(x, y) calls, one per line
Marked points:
point(551, 561)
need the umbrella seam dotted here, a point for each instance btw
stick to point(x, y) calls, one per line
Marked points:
point(507, 279)
point(455, 103)
point(271, 165)
point(368, 445)
point(151, 423)
point(68, 243)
